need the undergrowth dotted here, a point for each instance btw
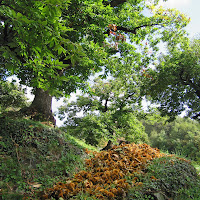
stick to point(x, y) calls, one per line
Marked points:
point(34, 157)
point(130, 171)
point(172, 178)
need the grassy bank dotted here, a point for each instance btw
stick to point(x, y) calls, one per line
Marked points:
point(35, 157)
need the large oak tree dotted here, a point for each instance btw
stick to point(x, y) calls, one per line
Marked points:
point(55, 45)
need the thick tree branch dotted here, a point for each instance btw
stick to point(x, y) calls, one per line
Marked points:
point(106, 105)
point(127, 30)
point(115, 3)
point(129, 95)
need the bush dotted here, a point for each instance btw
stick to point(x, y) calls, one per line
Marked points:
point(174, 176)
point(11, 96)
point(96, 128)
point(171, 178)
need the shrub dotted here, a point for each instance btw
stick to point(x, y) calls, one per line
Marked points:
point(169, 177)
point(11, 96)
point(181, 136)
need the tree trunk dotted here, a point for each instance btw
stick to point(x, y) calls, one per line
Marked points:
point(40, 109)
point(42, 101)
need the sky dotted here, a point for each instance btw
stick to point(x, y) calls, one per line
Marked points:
point(188, 7)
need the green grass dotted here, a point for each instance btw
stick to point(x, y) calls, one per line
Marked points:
point(80, 143)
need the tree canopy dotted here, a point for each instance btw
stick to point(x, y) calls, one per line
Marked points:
point(57, 44)
point(181, 136)
point(175, 80)
point(108, 111)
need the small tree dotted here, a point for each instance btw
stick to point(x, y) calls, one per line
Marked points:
point(108, 111)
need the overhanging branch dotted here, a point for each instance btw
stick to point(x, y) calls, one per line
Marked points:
point(114, 3)
point(127, 30)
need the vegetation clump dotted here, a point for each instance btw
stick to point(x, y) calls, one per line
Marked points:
point(180, 137)
point(107, 172)
point(168, 177)
point(129, 171)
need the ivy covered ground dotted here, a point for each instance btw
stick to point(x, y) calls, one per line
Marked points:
point(40, 162)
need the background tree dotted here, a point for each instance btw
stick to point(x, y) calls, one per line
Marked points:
point(175, 81)
point(107, 112)
point(12, 97)
point(54, 46)
point(182, 136)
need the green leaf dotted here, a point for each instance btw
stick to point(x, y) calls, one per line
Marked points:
point(19, 15)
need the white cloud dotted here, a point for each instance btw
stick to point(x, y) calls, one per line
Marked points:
point(176, 3)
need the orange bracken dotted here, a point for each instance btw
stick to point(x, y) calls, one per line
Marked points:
point(105, 177)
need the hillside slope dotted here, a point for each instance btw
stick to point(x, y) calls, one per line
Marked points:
point(35, 157)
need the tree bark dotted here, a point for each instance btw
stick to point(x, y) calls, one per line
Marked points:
point(41, 107)
point(42, 101)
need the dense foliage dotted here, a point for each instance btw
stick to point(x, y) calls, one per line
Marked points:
point(55, 45)
point(171, 178)
point(182, 136)
point(11, 96)
point(107, 111)
point(175, 80)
